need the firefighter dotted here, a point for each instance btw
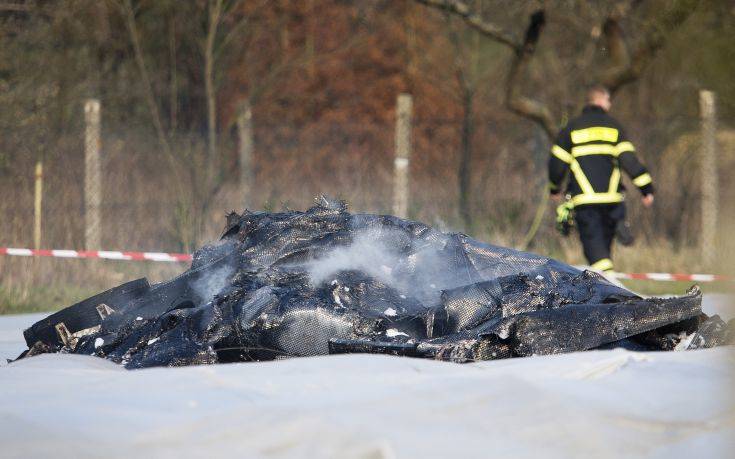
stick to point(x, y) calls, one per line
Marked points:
point(591, 150)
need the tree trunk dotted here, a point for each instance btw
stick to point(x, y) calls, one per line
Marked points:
point(211, 110)
point(173, 82)
point(310, 44)
point(147, 86)
point(245, 137)
point(465, 162)
point(214, 18)
point(709, 179)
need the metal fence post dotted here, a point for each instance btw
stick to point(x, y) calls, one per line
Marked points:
point(37, 205)
point(709, 179)
point(404, 107)
point(92, 172)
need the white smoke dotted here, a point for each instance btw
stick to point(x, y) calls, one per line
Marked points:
point(212, 283)
point(391, 257)
point(368, 253)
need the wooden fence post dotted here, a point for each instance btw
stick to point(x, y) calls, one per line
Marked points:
point(709, 179)
point(37, 206)
point(245, 136)
point(404, 107)
point(92, 172)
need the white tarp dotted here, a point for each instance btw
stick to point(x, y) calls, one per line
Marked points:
point(589, 404)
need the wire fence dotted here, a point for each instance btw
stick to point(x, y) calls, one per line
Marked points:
point(142, 207)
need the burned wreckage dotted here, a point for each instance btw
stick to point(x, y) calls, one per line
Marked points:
point(325, 281)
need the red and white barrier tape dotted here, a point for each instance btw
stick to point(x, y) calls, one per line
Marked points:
point(182, 257)
point(673, 277)
point(106, 254)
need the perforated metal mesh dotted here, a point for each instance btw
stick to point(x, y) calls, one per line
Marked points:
point(324, 280)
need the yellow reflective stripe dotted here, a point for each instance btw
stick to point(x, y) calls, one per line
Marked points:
point(605, 264)
point(594, 149)
point(595, 134)
point(622, 147)
point(597, 198)
point(584, 184)
point(614, 180)
point(642, 180)
point(561, 153)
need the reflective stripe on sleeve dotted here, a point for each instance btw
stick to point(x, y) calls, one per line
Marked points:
point(623, 147)
point(642, 180)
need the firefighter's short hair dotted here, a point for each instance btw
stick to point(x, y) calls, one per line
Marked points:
point(595, 89)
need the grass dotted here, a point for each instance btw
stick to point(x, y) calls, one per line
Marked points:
point(41, 299)
point(657, 288)
point(39, 285)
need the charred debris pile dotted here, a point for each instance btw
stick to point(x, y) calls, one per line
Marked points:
point(325, 281)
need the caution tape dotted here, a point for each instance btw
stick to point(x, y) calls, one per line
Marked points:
point(105, 254)
point(672, 277)
point(184, 257)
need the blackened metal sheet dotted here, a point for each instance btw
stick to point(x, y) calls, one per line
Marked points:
point(287, 284)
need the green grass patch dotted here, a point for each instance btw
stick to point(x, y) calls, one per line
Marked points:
point(41, 299)
point(656, 288)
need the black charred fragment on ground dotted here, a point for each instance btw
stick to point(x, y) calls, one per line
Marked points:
point(254, 296)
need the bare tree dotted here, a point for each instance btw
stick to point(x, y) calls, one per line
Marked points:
point(466, 70)
point(213, 20)
point(467, 81)
point(128, 12)
point(225, 22)
point(625, 66)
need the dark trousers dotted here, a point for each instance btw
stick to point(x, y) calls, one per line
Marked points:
point(596, 224)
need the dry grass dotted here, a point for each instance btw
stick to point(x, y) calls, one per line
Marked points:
point(46, 284)
point(149, 207)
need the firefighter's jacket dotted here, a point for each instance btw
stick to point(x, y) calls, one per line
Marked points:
point(594, 148)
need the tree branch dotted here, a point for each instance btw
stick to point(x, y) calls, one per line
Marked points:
point(235, 32)
point(514, 100)
point(616, 46)
point(128, 11)
point(129, 14)
point(14, 8)
point(626, 68)
point(522, 53)
point(475, 21)
point(213, 20)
